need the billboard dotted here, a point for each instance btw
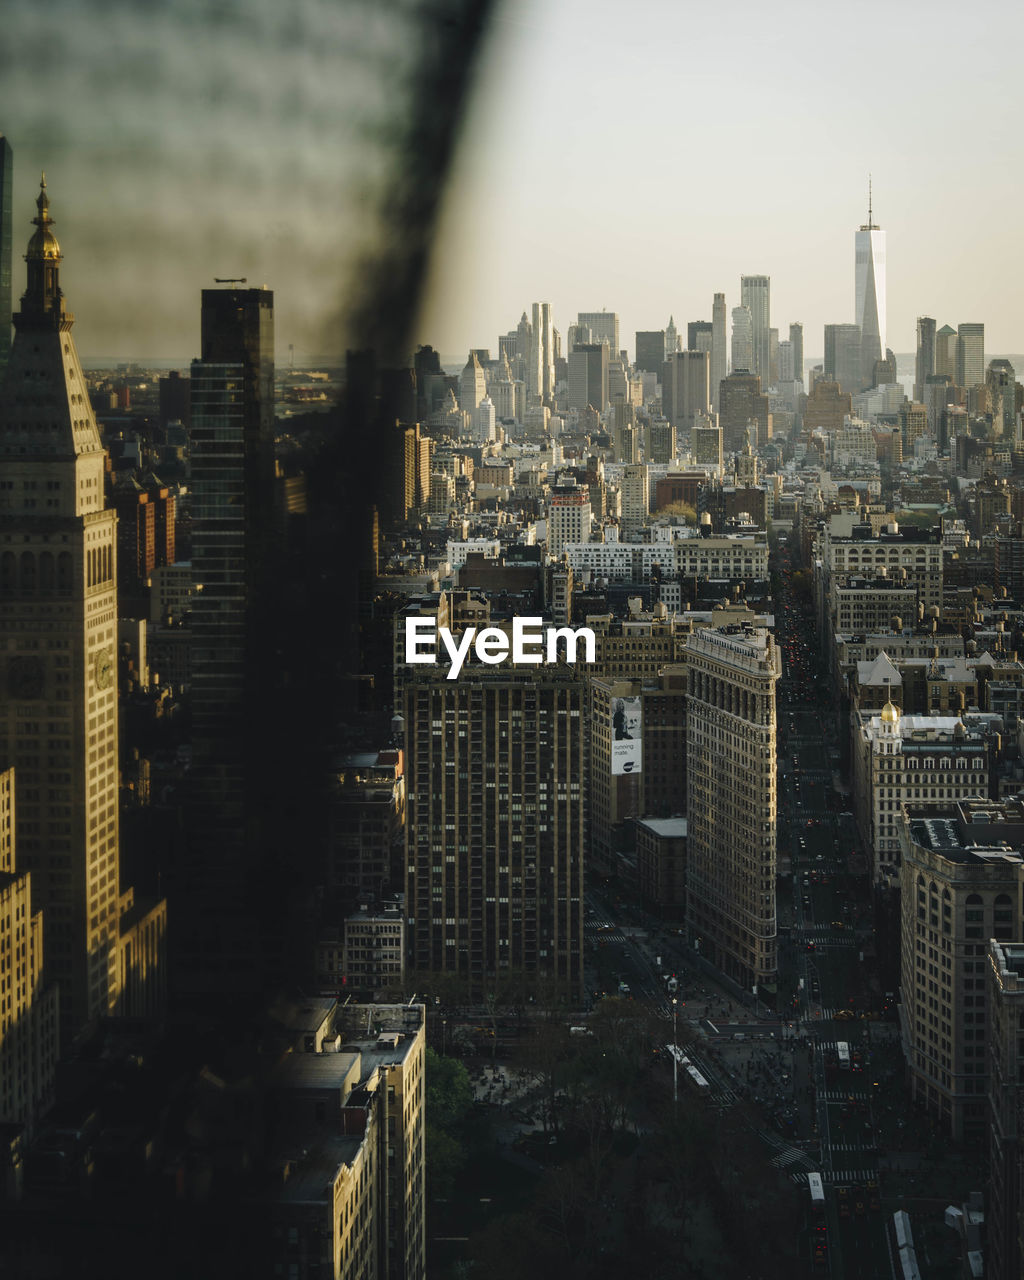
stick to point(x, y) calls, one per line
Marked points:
point(627, 739)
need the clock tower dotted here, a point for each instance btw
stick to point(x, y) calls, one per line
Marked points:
point(58, 647)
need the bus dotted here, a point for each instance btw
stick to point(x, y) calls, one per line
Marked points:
point(843, 1050)
point(817, 1190)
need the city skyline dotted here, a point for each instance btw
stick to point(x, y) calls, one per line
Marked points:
point(221, 175)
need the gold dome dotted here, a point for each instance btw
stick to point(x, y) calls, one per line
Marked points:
point(43, 244)
point(890, 714)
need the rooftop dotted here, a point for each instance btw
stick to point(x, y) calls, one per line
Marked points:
point(312, 1170)
point(666, 828)
point(974, 831)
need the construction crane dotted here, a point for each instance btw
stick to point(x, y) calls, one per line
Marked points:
point(240, 280)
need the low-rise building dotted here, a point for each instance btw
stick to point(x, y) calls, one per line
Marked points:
point(661, 863)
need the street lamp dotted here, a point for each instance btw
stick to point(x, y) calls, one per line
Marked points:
point(675, 1056)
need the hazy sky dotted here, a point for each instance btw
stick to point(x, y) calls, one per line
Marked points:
point(642, 156)
point(635, 156)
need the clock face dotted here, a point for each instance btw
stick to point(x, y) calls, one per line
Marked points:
point(103, 669)
point(25, 678)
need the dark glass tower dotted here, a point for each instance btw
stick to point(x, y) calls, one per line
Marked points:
point(220, 939)
point(6, 285)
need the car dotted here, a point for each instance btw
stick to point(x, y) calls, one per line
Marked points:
point(843, 1015)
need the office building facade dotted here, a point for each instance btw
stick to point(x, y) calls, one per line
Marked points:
point(731, 805)
point(59, 643)
point(970, 355)
point(495, 827)
point(755, 295)
point(1004, 1215)
point(217, 936)
point(719, 347)
point(962, 877)
point(28, 1005)
point(924, 362)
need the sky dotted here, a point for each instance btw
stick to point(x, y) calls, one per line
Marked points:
point(641, 157)
point(633, 157)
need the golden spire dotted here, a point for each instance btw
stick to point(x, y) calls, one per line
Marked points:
point(43, 243)
point(42, 299)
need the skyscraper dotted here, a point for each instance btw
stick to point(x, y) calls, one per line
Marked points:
point(686, 390)
point(743, 406)
point(785, 362)
point(547, 353)
point(603, 326)
point(742, 340)
point(58, 659)
point(945, 351)
point(698, 335)
point(650, 350)
point(924, 363)
point(970, 355)
point(843, 356)
point(636, 498)
point(869, 283)
point(730, 769)
point(494, 833)
point(796, 337)
point(1001, 380)
point(541, 368)
point(216, 929)
point(568, 516)
point(473, 385)
point(755, 293)
point(6, 241)
point(719, 347)
point(588, 376)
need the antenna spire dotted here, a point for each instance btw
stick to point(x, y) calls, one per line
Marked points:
point(870, 219)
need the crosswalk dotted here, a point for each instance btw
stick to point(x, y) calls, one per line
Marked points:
point(603, 932)
point(851, 1146)
point(839, 1177)
point(786, 1154)
point(787, 1158)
